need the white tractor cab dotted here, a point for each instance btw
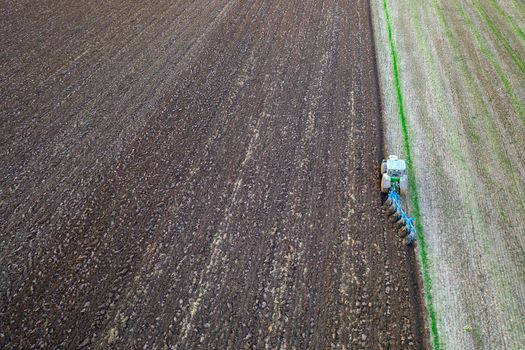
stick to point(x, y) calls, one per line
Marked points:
point(394, 175)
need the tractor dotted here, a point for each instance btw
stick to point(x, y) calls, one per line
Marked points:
point(394, 182)
point(394, 174)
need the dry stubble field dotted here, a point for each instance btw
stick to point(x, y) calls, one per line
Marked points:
point(461, 83)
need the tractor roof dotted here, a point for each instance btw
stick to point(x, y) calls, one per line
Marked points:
point(398, 164)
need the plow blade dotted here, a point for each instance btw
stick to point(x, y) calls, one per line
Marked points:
point(398, 216)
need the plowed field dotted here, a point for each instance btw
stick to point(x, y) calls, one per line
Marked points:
point(196, 174)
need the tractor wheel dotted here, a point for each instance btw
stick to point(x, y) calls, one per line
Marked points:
point(383, 188)
point(403, 186)
point(385, 185)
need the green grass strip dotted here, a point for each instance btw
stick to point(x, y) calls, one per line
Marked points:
point(413, 188)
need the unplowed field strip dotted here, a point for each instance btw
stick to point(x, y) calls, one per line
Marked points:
point(185, 174)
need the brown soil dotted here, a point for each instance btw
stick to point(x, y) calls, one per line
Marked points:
point(196, 174)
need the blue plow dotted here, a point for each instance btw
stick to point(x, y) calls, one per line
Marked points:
point(396, 213)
